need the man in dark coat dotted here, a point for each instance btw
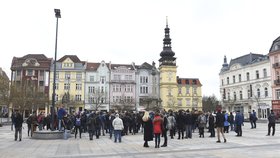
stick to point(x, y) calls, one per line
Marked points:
point(239, 119)
point(18, 120)
point(220, 119)
point(180, 124)
point(271, 123)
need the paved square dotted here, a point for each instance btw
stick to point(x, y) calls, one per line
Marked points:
point(254, 143)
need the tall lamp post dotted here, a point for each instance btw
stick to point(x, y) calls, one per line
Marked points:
point(57, 15)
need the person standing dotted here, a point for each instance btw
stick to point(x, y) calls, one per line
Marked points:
point(239, 119)
point(201, 124)
point(118, 127)
point(271, 123)
point(90, 123)
point(29, 122)
point(255, 118)
point(211, 122)
point(148, 128)
point(157, 122)
point(220, 119)
point(60, 114)
point(164, 129)
point(78, 124)
point(231, 121)
point(171, 125)
point(188, 121)
point(180, 121)
point(226, 122)
point(18, 120)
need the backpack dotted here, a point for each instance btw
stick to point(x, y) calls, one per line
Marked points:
point(78, 122)
point(203, 119)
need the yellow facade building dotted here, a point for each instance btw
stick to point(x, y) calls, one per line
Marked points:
point(176, 93)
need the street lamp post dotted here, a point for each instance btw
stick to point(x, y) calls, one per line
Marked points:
point(57, 15)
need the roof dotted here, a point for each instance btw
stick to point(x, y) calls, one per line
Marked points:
point(275, 45)
point(128, 66)
point(44, 62)
point(74, 58)
point(145, 65)
point(188, 81)
point(94, 66)
point(248, 59)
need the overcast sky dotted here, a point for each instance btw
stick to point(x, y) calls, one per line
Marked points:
point(126, 31)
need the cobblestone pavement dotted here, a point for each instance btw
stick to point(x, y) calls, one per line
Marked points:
point(253, 144)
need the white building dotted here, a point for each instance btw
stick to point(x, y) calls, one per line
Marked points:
point(245, 85)
point(147, 87)
point(97, 86)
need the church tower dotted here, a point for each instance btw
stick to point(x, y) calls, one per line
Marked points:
point(168, 70)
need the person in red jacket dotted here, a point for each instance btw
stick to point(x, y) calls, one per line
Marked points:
point(157, 128)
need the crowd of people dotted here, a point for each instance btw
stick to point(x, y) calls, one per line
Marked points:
point(153, 124)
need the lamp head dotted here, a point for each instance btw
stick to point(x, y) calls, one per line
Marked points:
point(57, 13)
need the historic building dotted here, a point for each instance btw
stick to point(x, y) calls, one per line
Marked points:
point(245, 84)
point(97, 79)
point(4, 93)
point(30, 83)
point(70, 80)
point(176, 93)
point(122, 87)
point(274, 55)
point(147, 87)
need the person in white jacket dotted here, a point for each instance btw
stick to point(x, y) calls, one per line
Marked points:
point(118, 127)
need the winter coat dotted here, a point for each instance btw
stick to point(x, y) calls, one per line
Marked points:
point(18, 120)
point(148, 130)
point(239, 119)
point(157, 122)
point(271, 118)
point(117, 124)
point(226, 123)
point(220, 119)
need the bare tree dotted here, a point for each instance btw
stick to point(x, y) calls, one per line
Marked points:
point(209, 103)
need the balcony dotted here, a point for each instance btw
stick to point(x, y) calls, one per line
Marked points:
point(277, 82)
point(276, 65)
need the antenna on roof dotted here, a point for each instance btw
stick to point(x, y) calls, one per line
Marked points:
point(166, 21)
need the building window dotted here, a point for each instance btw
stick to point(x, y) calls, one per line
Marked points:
point(187, 90)
point(57, 76)
point(257, 74)
point(128, 77)
point(102, 89)
point(91, 99)
point(78, 97)
point(56, 86)
point(228, 94)
point(258, 93)
point(179, 102)
point(227, 80)
point(239, 77)
point(234, 95)
point(18, 72)
point(91, 89)
point(41, 73)
point(144, 90)
point(278, 94)
point(143, 79)
point(265, 92)
point(264, 73)
point(79, 76)
point(248, 93)
point(224, 94)
point(194, 91)
point(233, 79)
point(240, 95)
point(66, 86)
point(180, 90)
point(91, 78)
point(117, 77)
point(128, 88)
point(67, 76)
point(29, 72)
point(102, 79)
point(188, 102)
point(248, 76)
point(78, 86)
point(222, 82)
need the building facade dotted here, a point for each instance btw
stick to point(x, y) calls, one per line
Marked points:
point(245, 85)
point(147, 87)
point(70, 80)
point(122, 87)
point(30, 83)
point(274, 56)
point(97, 79)
point(171, 86)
